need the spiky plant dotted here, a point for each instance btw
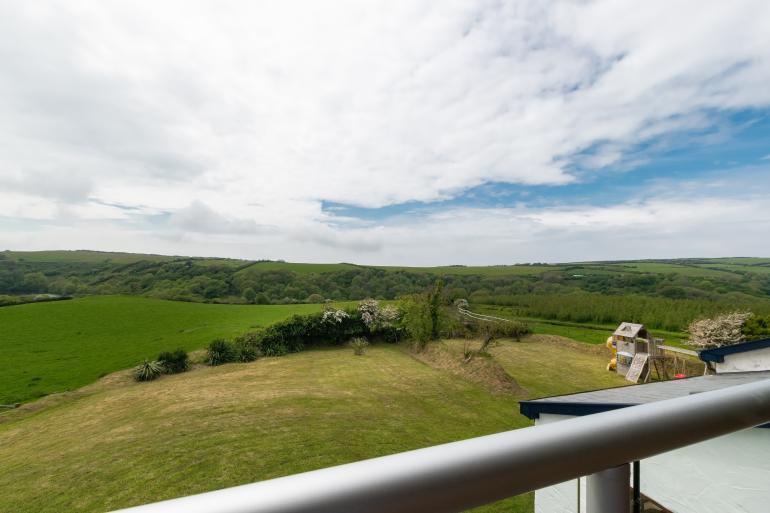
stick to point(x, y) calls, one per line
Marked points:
point(221, 351)
point(174, 362)
point(148, 370)
point(359, 345)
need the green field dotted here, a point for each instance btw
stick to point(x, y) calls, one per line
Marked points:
point(62, 345)
point(122, 443)
point(490, 270)
point(300, 268)
point(84, 256)
point(589, 333)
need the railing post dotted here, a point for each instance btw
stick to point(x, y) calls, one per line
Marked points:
point(608, 490)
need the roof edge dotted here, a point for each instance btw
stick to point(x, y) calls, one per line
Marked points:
point(717, 354)
point(533, 409)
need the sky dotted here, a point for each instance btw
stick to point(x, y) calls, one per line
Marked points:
point(403, 132)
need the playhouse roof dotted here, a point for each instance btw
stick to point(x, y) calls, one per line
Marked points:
point(597, 401)
point(628, 329)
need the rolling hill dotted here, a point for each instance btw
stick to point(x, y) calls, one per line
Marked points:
point(119, 443)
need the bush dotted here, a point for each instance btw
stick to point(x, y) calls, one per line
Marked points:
point(147, 371)
point(249, 295)
point(220, 351)
point(512, 329)
point(722, 330)
point(174, 362)
point(757, 328)
point(416, 319)
point(247, 347)
point(359, 345)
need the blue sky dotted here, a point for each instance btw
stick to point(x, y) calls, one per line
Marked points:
point(405, 132)
point(735, 147)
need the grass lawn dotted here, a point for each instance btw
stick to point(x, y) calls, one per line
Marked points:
point(550, 365)
point(121, 443)
point(62, 345)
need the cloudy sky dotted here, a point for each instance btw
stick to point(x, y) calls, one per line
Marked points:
point(390, 132)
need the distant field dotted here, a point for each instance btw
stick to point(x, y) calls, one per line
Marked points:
point(95, 257)
point(58, 346)
point(125, 443)
point(491, 270)
point(589, 333)
point(300, 268)
point(83, 256)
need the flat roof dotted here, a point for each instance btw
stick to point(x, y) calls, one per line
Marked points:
point(718, 354)
point(587, 403)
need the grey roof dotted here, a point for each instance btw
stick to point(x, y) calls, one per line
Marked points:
point(597, 401)
point(628, 329)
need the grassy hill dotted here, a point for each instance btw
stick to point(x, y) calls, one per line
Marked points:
point(119, 443)
point(84, 256)
point(58, 346)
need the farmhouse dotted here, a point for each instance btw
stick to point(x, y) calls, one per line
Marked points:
point(744, 357)
point(729, 473)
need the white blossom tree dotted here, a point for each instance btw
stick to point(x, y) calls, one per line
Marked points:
point(722, 330)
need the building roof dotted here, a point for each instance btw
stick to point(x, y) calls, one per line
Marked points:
point(718, 354)
point(628, 329)
point(597, 401)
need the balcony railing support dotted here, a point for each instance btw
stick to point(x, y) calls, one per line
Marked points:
point(608, 490)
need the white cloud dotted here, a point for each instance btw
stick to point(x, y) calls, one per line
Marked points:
point(233, 116)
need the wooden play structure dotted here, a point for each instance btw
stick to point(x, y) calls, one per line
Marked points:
point(636, 352)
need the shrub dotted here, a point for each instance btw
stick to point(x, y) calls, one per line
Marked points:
point(359, 345)
point(757, 327)
point(416, 319)
point(722, 330)
point(511, 329)
point(249, 295)
point(220, 351)
point(148, 370)
point(174, 362)
point(247, 347)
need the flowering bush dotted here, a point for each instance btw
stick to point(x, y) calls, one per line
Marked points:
point(370, 311)
point(722, 330)
point(335, 316)
point(376, 318)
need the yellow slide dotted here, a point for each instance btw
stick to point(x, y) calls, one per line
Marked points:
point(614, 362)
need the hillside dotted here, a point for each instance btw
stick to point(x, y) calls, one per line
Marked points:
point(119, 443)
point(240, 281)
point(63, 345)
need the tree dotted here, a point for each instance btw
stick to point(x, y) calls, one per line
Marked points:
point(416, 318)
point(423, 315)
point(722, 330)
point(249, 295)
point(757, 328)
point(35, 282)
point(434, 307)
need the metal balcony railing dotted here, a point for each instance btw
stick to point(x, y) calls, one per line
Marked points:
point(461, 475)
